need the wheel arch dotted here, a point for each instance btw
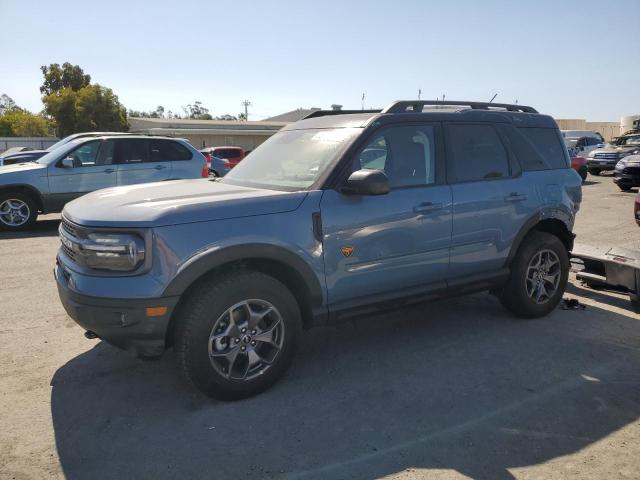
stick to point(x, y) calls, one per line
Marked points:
point(33, 192)
point(548, 224)
point(287, 267)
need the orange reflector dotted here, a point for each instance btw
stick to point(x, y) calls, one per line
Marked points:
point(156, 311)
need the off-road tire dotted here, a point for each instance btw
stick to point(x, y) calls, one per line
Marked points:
point(514, 295)
point(202, 308)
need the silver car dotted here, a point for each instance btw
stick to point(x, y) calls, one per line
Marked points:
point(88, 164)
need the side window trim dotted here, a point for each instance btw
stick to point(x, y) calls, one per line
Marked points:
point(440, 162)
point(451, 168)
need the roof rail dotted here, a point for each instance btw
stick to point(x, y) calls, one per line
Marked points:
point(325, 113)
point(403, 106)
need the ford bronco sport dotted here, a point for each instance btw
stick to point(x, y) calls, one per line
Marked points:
point(334, 216)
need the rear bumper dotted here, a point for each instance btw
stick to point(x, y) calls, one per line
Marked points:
point(121, 322)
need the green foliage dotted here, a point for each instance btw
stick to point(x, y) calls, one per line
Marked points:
point(57, 78)
point(20, 123)
point(197, 111)
point(92, 107)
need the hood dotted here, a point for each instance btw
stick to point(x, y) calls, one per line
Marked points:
point(617, 149)
point(176, 202)
point(6, 171)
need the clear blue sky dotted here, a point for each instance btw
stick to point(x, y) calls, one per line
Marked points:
point(571, 59)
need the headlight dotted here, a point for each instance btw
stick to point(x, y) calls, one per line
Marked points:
point(122, 252)
point(592, 153)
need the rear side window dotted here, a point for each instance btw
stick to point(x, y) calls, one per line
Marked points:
point(477, 153)
point(168, 150)
point(540, 149)
point(227, 153)
point(132, 151)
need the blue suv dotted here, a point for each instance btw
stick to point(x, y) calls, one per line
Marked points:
point(339, 214)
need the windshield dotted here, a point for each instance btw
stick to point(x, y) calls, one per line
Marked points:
point(59, 152)
point(59, 143)
point(292, 159)
point(633, 140)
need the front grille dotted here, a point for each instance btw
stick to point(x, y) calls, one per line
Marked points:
point(69, 228)
point(68, 252)
point(606, 156)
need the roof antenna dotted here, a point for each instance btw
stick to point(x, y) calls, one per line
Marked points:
point(493, 98)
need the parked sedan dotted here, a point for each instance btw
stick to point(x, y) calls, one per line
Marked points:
point(11, 157)
point(627, 173)
point(87, 164)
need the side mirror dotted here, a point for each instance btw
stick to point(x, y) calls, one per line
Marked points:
point(67, 162)
point(367, 182)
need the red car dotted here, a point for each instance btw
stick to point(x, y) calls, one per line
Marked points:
point(579, 164)
point(233, 155)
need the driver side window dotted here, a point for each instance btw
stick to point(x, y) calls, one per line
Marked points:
point(405, 154)
point(85, 155)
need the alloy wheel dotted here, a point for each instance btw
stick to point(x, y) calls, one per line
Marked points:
point(543, 276)
point(14, 212)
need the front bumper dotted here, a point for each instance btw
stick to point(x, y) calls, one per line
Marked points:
point(629, 176)
point(595, 163)
point(121, 322)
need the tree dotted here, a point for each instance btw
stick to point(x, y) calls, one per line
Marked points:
point(160, 111)
point(7, 103)
point(21, 123)
point(92, 107)
point(197, 111)
point(57, 78)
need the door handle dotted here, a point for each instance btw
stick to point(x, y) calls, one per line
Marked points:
point(515, 197)
point(109, 170)
point(428, 207)
point(160, 167)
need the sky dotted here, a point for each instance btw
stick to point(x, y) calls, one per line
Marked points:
point(569, 59)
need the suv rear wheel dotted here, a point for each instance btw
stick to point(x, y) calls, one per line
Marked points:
point(539, 274)
point(236, 335)
point(18, 211)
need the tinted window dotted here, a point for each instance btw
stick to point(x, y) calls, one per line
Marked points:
point(85, 155)
point(405, 154)
point(107, 151)
point(477, 153)
point(227, 153)
point(547, 144)
point(167, 150)
point(133, 151)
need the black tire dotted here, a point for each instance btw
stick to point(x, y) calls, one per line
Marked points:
point(30, 205)
point(514, 295)
point(202, 309)
point(624, 187)
point(594, 171)
point(583, 173)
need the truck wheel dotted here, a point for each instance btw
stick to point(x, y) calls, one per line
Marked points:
point(583, 173)
point(18, 211)
point(538, 278)
point(236, 335)
point(624, 187)
point(594, 171)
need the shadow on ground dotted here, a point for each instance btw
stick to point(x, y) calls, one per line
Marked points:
point(42, 228)
point(455, 385)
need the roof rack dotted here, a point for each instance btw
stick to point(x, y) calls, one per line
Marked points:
point(403, 106)
point(325, 113)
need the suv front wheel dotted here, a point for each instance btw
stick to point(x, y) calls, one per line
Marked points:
point(236, 335)
point(17, 211)
point(538, 278)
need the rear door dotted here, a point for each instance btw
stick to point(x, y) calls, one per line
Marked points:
point(93, 169)
point(138, 162)
point(491, 200)
point(393, 245)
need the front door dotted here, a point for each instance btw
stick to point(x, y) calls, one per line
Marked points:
point(92, 169)
point(139, 163)
point(393, 245)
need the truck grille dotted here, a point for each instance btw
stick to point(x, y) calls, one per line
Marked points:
point(69, 228)
point(606, 156)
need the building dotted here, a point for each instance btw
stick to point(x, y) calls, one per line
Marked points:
point(608, 130)
point(209, 133)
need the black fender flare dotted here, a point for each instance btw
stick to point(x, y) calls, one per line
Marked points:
point(208, 260)
point(528, 226)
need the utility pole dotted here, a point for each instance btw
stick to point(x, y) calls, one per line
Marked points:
point(362, 106)
point(246, 105)
point(419, 94)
